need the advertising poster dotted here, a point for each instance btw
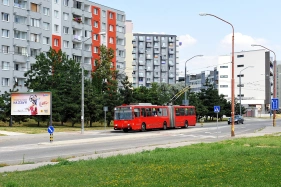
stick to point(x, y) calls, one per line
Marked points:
point(31, 103)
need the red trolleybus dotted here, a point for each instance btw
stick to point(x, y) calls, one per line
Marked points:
point(143, 116)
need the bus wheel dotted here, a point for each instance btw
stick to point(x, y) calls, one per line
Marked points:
point(185, 124)
point(164, 126)
point(125, 130)
point(143, 128)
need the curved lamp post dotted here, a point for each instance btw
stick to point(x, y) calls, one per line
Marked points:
point(240, 86)
point(232, 79)
point(274, 79)
point(185, 75)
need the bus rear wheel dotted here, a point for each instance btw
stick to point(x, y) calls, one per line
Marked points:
point(164, 126)
point(143, 128)
point(186, 124)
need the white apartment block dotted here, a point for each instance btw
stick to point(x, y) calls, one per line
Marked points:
point(255, 71)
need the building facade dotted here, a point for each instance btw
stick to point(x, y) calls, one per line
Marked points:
point(154, 59)
point(253, 74)
point(78, 28)
point(278, 82)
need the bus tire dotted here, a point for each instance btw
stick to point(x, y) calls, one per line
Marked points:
point(125, 130)
point(143, 127)
point(186, 124)
point(164, 126)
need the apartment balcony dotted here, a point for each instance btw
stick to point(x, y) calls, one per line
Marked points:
point(149, 45)
point(76, 24)
point(77, 38)
point(171, 51)
point(141, 74)
point(171, 63)
point(156, 51)
point(164, 69)
point(77, 11)
point(20, 57)
point(148, 56)
point(141, 62)
point(156, 38)
point(134, 63)
point(156, 75)
point(148, 69)
point(77, 51)
point(157, 63)
point(20, 73)
point(141, 51)
point(171, 40)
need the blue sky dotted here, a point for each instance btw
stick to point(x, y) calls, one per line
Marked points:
point(254, 21)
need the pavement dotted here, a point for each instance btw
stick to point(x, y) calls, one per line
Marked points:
point(11, 168)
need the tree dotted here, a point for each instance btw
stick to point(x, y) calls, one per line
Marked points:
point(127, 91)
point(54, 72)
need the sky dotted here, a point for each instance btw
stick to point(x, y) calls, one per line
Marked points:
point(254, 22)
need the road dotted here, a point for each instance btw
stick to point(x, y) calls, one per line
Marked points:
point(37, 148)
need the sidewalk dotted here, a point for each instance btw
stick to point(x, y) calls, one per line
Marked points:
point(24, 167)
point(8, 133)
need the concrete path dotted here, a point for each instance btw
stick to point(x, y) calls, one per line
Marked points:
point(8, 133)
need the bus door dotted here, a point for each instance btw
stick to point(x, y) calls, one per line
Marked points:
point(172, 116)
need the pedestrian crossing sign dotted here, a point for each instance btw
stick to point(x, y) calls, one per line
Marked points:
point(217, 109)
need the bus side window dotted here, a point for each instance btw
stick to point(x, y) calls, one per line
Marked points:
point(137, 112)
point(181, 111)
point(177, 112)
point(164, 112)
point(192, 111)
point(143, 112)
point(148, 111)
point(159, 112)
point(186, 111)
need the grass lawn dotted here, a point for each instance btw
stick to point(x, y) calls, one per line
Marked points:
point(239, 162)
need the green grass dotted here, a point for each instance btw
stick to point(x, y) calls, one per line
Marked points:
point(31, 127)
point(239, 162)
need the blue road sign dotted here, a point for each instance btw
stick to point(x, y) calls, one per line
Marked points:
point(51, 129)
point(217, 109)
point(274, 104)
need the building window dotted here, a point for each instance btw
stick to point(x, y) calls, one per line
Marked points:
point(5, 49)
point(65, 44)
point(5, 2)
point(111, 40)
point(103, 26)
point(240, 56)
point(5, 65)
point(95, 37)
point(56, 42)
point(65, 2)
point(121, 53)
point(120, 17)
point(223, 66)
point(34, 22)
point(46, 40)
point(87, 34)
point(46, 11)
point(223, 86)
point(65, 30)
point(56, 14)
point(240, 65)
point(19, 3)
point(77, 58)
point(5, 16)
point(34, 37)
point(96, 24)
point(20, 35)
point(120, 29)
point(65, 16)
point(103, 13)
point(56, 28)
point(56, 1)
point(46, 26)
point(5, 33)
point(5, 81)
point(21, 50)
point(223, 76)
point(20, 19)
point(96, 49)
point(110, 15)
point(96, 11)
point(111, 28)
point(34, 52)
point(34, 7)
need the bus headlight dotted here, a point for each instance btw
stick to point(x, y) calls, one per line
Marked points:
point(128, 125)
point(115, 125)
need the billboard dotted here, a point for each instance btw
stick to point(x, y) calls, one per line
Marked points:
point(31, 103)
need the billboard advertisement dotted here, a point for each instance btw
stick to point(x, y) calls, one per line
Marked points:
point(31, 103)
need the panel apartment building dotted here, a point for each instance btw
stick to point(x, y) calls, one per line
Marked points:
point(254, 70)
point(154, 59)
point(29, 27)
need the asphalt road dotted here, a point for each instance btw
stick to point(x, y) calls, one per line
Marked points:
point(37, 148)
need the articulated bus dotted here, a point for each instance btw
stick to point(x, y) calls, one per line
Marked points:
point(143, 116)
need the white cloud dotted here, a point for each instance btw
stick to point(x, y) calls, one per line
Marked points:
point(241, 42)
point(187, 40)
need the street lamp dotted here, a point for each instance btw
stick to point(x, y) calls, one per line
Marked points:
point(185, 75)
point(241, 85)
point(274, 80)
point(232, 79)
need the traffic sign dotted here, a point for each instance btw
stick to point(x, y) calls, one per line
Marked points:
point(274, 104)
point(51, 129)
point(217, 109)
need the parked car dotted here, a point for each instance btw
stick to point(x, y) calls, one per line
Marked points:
point(237, 119)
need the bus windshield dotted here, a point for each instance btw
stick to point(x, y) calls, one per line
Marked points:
point(123, 114)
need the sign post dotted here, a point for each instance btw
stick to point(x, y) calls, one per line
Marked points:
point(51, 131)
point(105, 109)
point(217, 110)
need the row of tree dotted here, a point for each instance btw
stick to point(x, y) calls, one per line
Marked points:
point(54, 72)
